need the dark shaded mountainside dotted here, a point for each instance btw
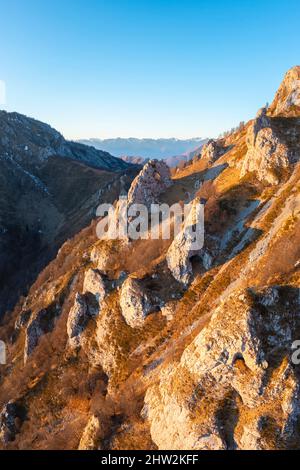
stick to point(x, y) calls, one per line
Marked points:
point(151, 344)
point(49, 190)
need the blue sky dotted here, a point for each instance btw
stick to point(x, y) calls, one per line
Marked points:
point(159, 68)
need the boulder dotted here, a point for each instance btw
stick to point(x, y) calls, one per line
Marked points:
point(212, 151)
point(135, 303)
point(100, 256)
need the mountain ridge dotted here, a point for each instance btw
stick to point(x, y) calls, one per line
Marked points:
point(152, 344)
point(40, 206)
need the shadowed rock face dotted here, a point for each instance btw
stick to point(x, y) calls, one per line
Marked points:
point(11, 417)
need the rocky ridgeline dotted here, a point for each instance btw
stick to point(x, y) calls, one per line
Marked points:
point(135, 303)
point(31, 143)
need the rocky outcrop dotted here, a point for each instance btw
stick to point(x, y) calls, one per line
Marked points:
point(100, 256)
point(212, 151)
point(153, 180)
point(267, 155)
point(135, 303)
point(287, 100)
point(94, 284)
point(77, 321)
point(11, 418)
point(183, 248)
point(91, 435)
point(235, 386)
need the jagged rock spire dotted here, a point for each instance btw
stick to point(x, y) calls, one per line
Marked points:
point(287, 99)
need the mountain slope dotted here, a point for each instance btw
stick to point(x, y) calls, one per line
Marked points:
point(148, 344)
point(49, 190)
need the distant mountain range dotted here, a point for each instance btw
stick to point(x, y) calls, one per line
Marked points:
point(138, 150)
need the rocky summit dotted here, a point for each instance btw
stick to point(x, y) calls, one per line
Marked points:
point(152, 343)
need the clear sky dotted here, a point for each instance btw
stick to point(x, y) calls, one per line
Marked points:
point(159, 68)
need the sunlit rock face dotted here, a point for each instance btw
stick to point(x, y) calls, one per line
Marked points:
point(91, 435)
point(94, 284)
point(183, 247)
point(153, 180)
point(267, 155)
point(135, 303)
point(77, 321)
point(229, 389)
point(212, 151)
point(287, 99)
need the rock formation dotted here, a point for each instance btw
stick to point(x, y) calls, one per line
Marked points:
point(183, 247)
point(212, 151)
point(243, 356)
point(94, 284)
point(135, 303)
point(267, 155)
point(77, 321)
point(41, 324)
point(287, 100)
point(150, 183)
point(91, 435)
